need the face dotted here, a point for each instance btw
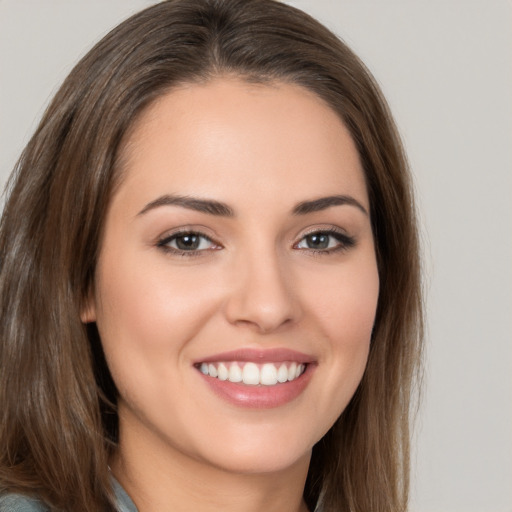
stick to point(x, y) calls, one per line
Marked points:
point(237, 284)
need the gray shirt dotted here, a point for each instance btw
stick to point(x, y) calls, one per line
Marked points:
point(19, 503)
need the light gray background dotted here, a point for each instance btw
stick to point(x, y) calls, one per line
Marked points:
point(446, 69)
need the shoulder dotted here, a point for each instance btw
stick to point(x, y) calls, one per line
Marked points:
point(19, 503)
point(124, 502)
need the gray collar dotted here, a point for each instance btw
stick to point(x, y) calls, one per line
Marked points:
point(124, 502)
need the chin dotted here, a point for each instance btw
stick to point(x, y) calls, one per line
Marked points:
point(260, 462)
point(261, 453)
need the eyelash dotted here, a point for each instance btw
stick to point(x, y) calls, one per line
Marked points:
point(164, 243)
point(345, 242)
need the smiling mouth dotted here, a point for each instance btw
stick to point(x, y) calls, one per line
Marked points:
point(253, 374)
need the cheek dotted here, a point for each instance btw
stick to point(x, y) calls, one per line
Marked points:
point(345, 313)
point(146, 315)
point(146, 324)
point(346, 302)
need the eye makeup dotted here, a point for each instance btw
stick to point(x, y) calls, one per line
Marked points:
point(326, 241)
point(187, 242)
point(190, 242)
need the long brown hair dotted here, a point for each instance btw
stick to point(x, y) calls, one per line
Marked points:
point(58, 423)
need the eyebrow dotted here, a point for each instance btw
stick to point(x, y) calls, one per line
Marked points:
point(200, 205)
point(323, 203)
point(220, 209)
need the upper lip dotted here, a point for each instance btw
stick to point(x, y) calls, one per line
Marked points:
point(274, 355)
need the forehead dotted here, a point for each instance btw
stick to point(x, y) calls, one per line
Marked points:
point(218, 137)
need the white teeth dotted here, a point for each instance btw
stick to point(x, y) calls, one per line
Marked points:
point(268, 375)
point(252, 374)
point(223, 372)
point(235, 373)
point(212, 370)
point(291, 371)
point(282, 373)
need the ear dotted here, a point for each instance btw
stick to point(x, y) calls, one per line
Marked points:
point(88, 309)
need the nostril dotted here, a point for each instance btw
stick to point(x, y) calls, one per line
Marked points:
point(262, 298)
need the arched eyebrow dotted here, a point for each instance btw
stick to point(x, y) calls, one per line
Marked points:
point(192, 203)
point(220, 209)
point(323, 203)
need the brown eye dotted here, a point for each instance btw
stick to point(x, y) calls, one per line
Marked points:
point(317, 241)
point(326, 241)
point(187, 242)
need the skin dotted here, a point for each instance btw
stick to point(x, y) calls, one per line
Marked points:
point(254, 283)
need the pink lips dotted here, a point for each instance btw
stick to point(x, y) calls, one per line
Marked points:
point(259, 396)
point(275, 355)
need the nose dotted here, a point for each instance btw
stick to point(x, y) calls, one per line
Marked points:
point(262, 294)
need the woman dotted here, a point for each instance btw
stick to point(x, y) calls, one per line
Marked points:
point(210, 279)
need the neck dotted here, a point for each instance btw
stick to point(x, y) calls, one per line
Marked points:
point(163, 479)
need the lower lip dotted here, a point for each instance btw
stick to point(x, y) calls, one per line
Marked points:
point(259, 397)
